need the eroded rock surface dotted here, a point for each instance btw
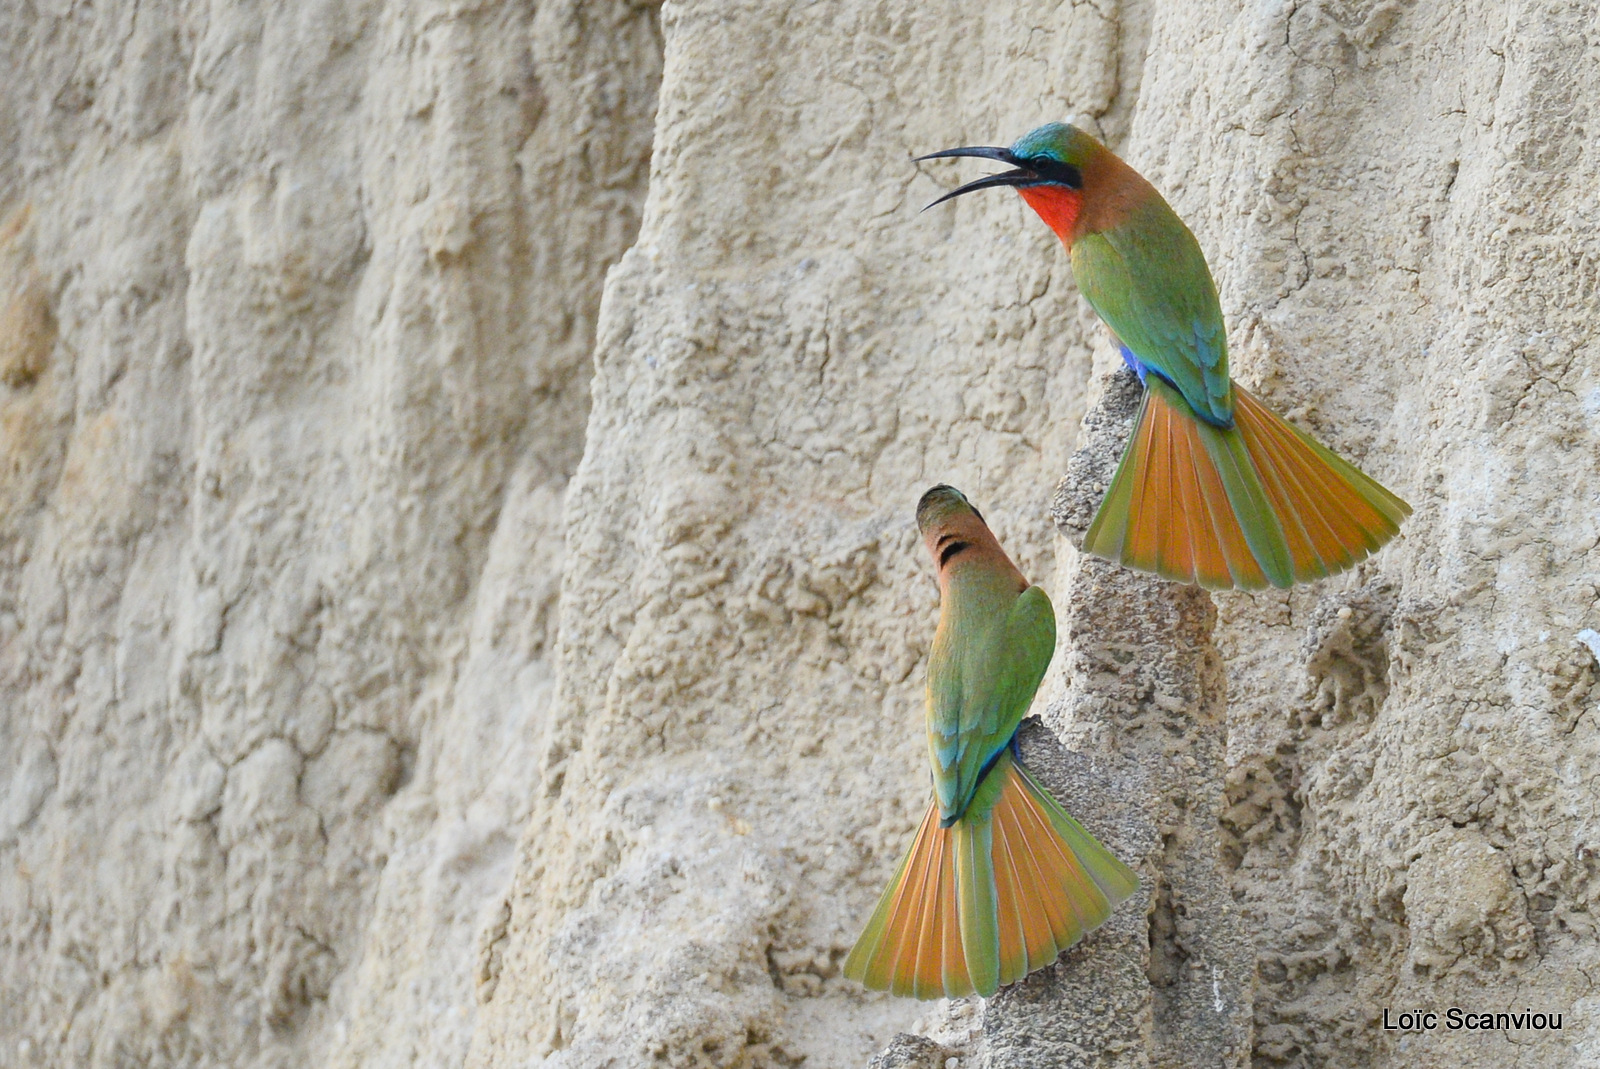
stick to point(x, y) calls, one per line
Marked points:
point(368, 698)
point(296, 313)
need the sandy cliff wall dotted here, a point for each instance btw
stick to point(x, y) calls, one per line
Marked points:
point(368, 698)
point(304, 303)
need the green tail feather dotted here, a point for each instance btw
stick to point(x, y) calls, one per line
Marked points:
point(975, 887)
point(977, 899)
point(1248, 497)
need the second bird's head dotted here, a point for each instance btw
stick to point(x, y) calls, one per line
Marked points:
point(1049, 167)
point(950, 525)
point(958, 539)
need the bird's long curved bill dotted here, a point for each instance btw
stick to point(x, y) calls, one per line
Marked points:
point(1018, 176)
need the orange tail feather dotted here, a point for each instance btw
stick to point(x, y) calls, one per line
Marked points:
point(1279, 508)
point(1052, 884)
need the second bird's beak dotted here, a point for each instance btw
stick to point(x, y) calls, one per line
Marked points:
point(1019, 176)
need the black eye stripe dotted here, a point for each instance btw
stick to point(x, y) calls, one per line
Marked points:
point(1052, 170)
point(951, 550)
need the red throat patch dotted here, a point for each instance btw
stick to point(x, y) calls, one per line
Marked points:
point(1056, 205)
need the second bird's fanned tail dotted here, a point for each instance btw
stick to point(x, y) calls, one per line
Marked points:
point(1260, 503)
point(991, 898)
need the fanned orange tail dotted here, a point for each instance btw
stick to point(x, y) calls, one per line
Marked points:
point(1256, 504)
point(1046, 880)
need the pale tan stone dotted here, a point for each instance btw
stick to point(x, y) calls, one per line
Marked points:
point(366, 698)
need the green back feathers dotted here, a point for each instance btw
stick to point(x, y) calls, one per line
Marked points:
point(1147, 278)
point(988, 659)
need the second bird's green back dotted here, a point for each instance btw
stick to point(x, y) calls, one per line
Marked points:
point(988, 658)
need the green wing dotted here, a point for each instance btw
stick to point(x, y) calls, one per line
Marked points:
point(1147, 278)
point(979, 688)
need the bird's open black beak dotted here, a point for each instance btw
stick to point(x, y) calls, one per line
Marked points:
point(1019, 176)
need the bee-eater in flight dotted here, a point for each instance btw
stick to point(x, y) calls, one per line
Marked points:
point(1213, 488)
point(999, 879)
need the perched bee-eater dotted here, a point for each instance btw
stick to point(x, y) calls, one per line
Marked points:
point(999, 879)
point(1213, 488)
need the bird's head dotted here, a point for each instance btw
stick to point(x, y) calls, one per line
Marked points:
point(940, 505)
point(1048, 166)
point(951, 527)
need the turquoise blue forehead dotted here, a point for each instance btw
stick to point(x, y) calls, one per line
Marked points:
point(1051, 139)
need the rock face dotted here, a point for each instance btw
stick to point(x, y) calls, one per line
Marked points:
point(298, 310)
point(410, 657)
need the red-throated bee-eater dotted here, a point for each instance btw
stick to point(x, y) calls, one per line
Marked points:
point(999, 879)
point(1213, 488)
